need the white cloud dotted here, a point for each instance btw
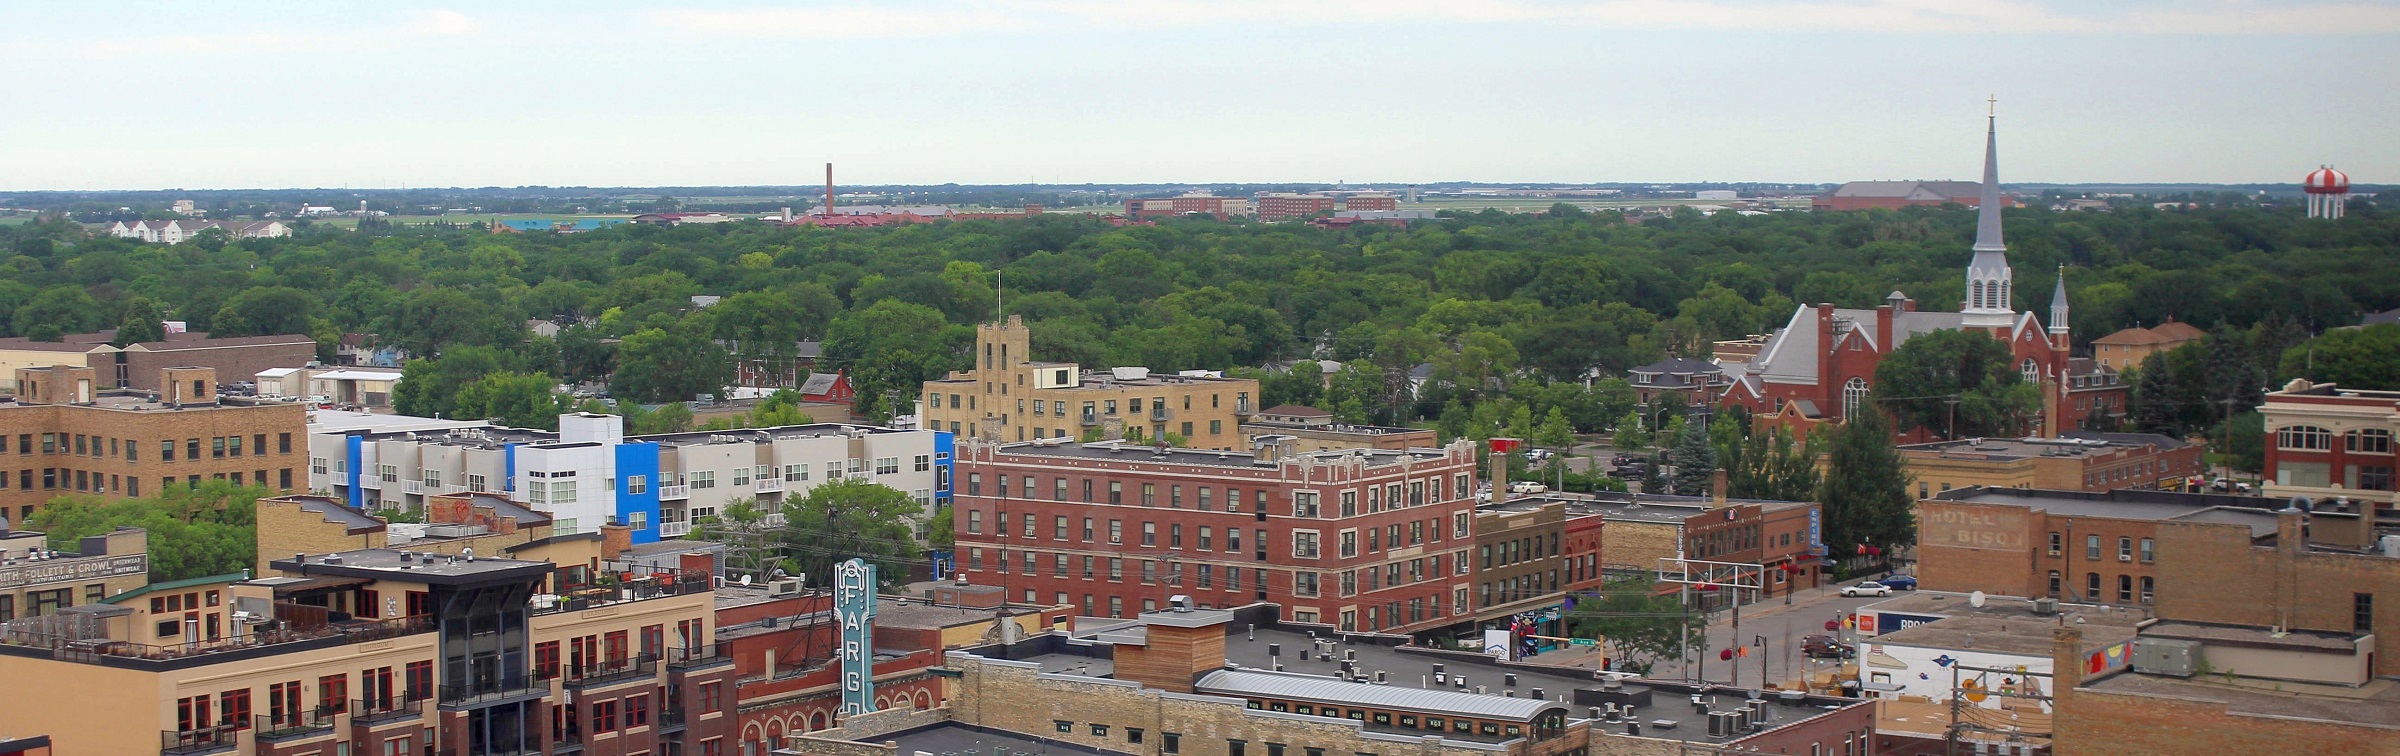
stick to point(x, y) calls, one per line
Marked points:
point(2186, 17)
point(442, 23)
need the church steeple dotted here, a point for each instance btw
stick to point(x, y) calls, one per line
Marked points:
point(2058, 304)
point(1989, 304)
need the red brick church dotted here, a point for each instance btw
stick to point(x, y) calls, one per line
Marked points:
point(1820, 366)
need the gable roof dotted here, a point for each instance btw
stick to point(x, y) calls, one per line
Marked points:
point(172, 585)
point(2176, 330)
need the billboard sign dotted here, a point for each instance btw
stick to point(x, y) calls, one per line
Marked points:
point(854, 608)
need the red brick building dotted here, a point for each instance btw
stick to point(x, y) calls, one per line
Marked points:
point(1289, 206)
point(1369, 540)
point(1826, 356)
point(1370, 202)
point(1220, 208)
point(2324, 441)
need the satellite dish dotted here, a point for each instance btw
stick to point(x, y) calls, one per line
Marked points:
point(1975, 599)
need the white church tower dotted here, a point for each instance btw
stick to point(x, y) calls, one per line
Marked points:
point(1988, 302)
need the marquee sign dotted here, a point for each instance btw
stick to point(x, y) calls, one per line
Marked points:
point(854, 608)
point(73, 570)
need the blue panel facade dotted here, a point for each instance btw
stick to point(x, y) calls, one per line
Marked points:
point(508, 456)
point(943, 443)
point(354, 450)
point(638, 459)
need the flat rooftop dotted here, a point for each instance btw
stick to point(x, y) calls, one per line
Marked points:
point(2129, 504)
point(396, 564)
point(487, 436)
point(344, 421)
point(1408, 671)
point(2030, 447)
point(2376, 703)
point(958, 738)
point(2003, 624)
point(143, 401)
point(1121, 451)
point(1340, 428)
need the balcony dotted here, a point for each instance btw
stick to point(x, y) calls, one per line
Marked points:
point(299, 625)
point(412, 488)
point(673, 718)
point(614, 671)
point(674, 529)
point(218, 739)
point(494, 690)
point(1242, 407)
point(1161, 414)
point(617, 582)
point(770, 484)
point(688, 658)
point(317, 722)
point(369, 712)
point(370, 482)
point(674, 493)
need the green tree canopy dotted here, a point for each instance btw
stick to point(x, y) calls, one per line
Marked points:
point(1865, 491)
point(851, 518)
point(194, 531)
point(656, 365)
point(1919, 382)
point(2356, 358)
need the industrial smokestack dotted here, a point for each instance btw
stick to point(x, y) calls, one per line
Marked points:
point(829, 189)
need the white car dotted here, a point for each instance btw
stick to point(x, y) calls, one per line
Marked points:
point(1869, 588)
point(1526, 487)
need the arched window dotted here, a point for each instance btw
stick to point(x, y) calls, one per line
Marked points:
point(2304, 438)
point(2371, 440)
point(1975, 294)
point(1853, 392)
point(2000, 300)
point(2033, 372)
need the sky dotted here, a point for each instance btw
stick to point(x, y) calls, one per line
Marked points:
point(231, 94)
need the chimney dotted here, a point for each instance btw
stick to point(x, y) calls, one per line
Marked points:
point(1501, 449)
point(1717, 486)
point(2291, 527)
point(829, 190)
point(2066, 667)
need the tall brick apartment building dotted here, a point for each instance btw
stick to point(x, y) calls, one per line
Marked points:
point(65, 434)
point(1368, 540)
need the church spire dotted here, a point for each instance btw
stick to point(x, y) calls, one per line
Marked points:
point(1987, 218)
point(1989, 302)
point(2058, 303)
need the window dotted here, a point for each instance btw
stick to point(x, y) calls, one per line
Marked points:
point(2032, 371)
point(2362, 612)
point(1169, 742)
point(2148, 589)
point(2091, 586)
point(1853, 392)
point(887, 465)
point(1133, 734)
point(2372, 440)
point(2125, 549)
point(1304, 544)
point(166, 449)
point(1116, 492)
point(2091, 547)
point(1304, 504)
point(2304, 438)
point(975, 521)
point(2054, 583)
point(283, 443)
point(2124, 589)
point(703, 479)
point(634, 484)
point(741, 476)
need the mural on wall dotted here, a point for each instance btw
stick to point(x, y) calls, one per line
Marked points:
point(1894, 670)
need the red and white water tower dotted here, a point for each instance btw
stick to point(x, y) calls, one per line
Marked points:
point(2327, 190)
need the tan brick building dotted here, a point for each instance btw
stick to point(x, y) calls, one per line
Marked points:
point(377, 651)
point(1011, 397)
point(136, 366)
point(2130, 347)
point(2090, 547)
point(2077, 461)
point(64, 433)
point(36, 580)
point(487, 524)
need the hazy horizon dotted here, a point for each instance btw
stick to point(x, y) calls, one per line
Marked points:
point(241, 95)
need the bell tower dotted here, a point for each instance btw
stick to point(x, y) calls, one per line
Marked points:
point(1989, 302)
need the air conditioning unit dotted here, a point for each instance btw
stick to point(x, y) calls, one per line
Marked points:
point(781, 588)
point(1116, 539)
point(2170, 657)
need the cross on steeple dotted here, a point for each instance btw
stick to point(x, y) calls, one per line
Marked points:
point(1992, 104)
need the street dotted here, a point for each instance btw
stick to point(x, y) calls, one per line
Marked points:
point(1782, 626)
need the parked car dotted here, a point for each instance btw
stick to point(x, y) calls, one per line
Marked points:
point(1869, 588)
point(1527, 487)
point(1629, 471)
point(1622, 460)
point(1537, 456)
point(1900, 582)
point(1825, 647)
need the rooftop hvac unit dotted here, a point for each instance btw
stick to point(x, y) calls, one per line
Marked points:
point(782, 588)
point(2160, 656)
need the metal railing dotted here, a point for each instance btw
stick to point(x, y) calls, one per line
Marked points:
point(625, 583)
point(686, 657)
point(203, 740)
point(494, 689)
point(92, 651)
point(412, 487)
point(613, 670)
point(371, 711)
point(674, 493)
point(674, 529)
point(769, 484)
point(302, 724)
point(370, 482)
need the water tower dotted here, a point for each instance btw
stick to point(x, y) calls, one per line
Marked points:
point(2327, 190)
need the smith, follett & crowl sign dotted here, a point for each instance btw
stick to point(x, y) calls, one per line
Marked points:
point(72, 570)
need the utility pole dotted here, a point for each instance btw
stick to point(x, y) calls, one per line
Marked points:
point(2227, 448)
